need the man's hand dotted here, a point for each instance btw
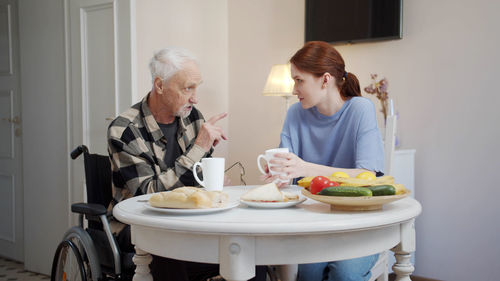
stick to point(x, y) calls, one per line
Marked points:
point(210, 134)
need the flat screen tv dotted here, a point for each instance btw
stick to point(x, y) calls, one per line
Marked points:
point(349, 21)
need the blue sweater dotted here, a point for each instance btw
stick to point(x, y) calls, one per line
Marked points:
point(348, 139)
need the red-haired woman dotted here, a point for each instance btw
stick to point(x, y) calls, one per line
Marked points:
point(331, 129)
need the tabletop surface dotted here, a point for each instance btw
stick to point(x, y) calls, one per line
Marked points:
point(308, 217)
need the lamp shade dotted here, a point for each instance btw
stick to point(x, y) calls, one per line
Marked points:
point(279, 82)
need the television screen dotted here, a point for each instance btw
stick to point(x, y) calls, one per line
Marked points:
point(347, 21)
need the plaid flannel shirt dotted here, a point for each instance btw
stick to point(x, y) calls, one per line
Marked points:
point(136, 147)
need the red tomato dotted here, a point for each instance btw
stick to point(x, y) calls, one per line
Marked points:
point(334, 183)
point(319, 183)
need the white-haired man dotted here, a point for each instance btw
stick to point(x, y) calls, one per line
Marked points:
point(154, 145)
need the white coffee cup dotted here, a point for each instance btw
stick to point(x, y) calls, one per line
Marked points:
point(268, 155)
point(213, 173)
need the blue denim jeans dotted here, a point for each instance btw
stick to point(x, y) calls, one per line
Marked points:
point(346, 270)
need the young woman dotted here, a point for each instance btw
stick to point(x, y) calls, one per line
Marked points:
point(332, 129)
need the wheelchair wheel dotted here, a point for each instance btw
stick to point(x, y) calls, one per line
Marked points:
point(68, 264)
point(81, 239)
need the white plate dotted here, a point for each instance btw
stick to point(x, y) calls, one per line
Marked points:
point(172, 211)
point(273, 205)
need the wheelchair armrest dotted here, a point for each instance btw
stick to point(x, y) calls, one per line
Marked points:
point(88, 209)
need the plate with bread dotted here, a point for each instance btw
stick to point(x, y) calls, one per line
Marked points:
point(270, 196)
point(189, 200)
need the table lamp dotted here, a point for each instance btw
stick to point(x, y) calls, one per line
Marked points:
point(279, 83)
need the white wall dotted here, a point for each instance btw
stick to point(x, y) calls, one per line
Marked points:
point(261, 33)
point(442, 77)
point(44, 130)
point(199, 26)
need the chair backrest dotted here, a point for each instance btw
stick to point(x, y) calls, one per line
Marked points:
point(389, 143)
point(98, 179)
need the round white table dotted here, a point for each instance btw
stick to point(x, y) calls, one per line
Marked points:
point(242, 237)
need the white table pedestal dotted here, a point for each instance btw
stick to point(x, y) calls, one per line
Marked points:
point(142, 260)
point(403, 267)
point(237, 257)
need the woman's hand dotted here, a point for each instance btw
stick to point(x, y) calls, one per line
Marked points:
point(267, 178)
point(290, 165)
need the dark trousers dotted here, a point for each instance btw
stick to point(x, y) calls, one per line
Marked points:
point(166, 269)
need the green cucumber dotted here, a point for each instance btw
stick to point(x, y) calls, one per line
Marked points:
point(349, 191)
point(382, 190)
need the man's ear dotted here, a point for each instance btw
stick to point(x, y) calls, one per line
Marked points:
point(158, 85)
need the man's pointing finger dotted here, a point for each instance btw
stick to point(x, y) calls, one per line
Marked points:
point(216, 118)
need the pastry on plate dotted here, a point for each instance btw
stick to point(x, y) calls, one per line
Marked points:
point(268, 193)
point(189, 197)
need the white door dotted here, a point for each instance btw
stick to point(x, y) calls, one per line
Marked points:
point(11, 186)
point(103, 73)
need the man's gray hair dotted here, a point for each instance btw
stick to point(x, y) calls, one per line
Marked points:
point(167, 62)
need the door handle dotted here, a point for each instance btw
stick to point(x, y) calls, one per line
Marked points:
point(16, 120)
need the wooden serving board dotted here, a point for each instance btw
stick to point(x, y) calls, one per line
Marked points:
point(362, 203)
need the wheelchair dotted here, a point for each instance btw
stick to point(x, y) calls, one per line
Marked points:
point(92, 253)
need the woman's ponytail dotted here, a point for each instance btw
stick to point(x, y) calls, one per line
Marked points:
point(350, 87)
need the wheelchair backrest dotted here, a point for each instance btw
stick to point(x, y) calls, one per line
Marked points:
point(98, 179)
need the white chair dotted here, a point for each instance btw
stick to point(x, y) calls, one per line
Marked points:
point(389, 140)
point(380, 270)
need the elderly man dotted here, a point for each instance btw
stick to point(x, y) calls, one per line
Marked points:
point(154, 145)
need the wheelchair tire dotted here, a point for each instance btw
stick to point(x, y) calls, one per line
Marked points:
point(85, 245)
point(68, 264)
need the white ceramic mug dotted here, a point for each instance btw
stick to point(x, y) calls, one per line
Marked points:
point(268, 155)
point(213, 173)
